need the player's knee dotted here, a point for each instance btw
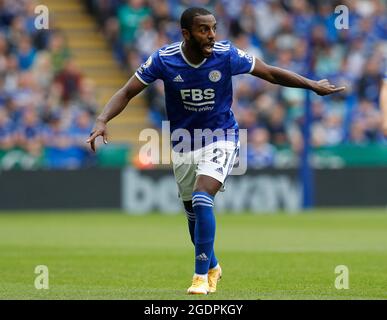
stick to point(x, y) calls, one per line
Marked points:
point(208, 188)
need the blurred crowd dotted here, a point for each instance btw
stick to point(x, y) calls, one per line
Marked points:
point(298, 35)
point(46, 105)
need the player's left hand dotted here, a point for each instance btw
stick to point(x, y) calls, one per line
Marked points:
point(324, 87)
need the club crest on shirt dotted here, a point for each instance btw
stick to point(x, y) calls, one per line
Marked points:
point(147, 63)
point(215, 75)
point(241, 53)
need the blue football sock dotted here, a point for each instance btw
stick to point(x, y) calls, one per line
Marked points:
point(213, 261)
point(191, 227)
point(204, 233)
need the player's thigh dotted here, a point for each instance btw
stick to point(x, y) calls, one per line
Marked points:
point(208, 184)
point(184, 170)
point(217, 160)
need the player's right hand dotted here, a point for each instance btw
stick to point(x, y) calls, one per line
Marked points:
point(98, 130)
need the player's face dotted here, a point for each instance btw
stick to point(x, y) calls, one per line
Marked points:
point(203, 34)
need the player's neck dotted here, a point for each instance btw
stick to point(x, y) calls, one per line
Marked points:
point(191, 54)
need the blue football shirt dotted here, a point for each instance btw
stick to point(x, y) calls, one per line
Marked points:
point(197, 96)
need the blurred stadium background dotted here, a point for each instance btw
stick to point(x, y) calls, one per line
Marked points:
point(54, 82)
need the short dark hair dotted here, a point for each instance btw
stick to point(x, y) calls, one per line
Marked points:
point(186, 20)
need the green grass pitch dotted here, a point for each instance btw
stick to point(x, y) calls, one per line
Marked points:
point(110, 255)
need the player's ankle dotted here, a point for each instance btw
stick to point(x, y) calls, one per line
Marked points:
point(216, 267)
point(203, 276)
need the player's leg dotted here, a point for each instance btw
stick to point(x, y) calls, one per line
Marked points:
point(214, 166)
point(191, 227)
point(203, 195)
point(203, 231)
point(185, 176)
point(190, 218)
point(203, 174)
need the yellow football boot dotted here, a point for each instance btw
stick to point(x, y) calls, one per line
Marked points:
point(199, 286)
point(214, 275)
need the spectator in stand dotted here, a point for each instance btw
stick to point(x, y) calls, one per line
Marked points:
point(16, 31)
point(70, 79)
point(11, 78)
point(82, 126)
point(130, 15)
point(269, 16)
point(156, 103)
point(4, 51)
point(161, 12)
point(43, 70)
point(60, 150)
point(357, 133)
point(276, 126)
point(260, 153)
point(88, 96)
point(7, 140)
point(26, 94)
point(368, 114)
point(25, 53)
point(6, 15)
point(369, 82)
point(146, 38)
point(133, 60)
point(247, 118)
point(59, 51)
point(29, 135)
point(329, 132)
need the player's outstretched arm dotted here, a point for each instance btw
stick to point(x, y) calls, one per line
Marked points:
point(291, 79)
point(116, 104)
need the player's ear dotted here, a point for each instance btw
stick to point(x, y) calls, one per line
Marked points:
point(186, 34)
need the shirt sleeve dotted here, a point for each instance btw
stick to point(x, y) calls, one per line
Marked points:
point(241, 62)
point(149, 71)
